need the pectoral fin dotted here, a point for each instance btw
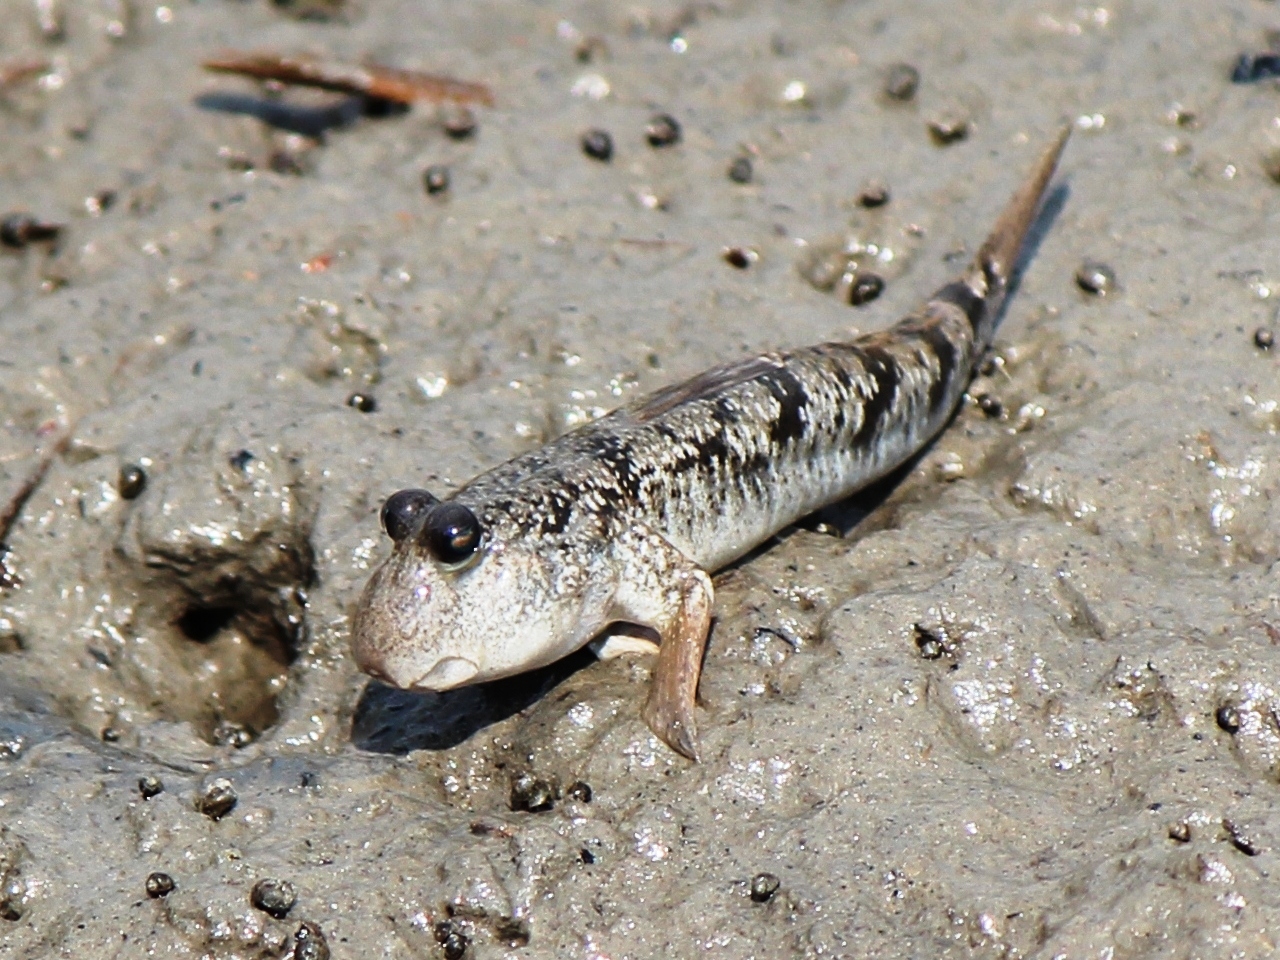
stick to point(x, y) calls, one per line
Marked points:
point(669, 711)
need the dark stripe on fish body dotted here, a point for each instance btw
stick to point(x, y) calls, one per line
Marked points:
point(713, 450)
point(948, 360)
point(839, 420)
point(841, 371)
point(619, 457)
point(884, 376)
point(963, 296)
point(559, 509)
point(726, 412)
point(793, 401)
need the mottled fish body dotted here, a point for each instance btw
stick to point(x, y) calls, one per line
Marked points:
point(619, 520)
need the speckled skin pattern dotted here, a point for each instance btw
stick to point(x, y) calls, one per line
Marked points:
point(620, 519)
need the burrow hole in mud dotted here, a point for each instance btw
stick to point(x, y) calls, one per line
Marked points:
point(236, 654)
point(202, 624)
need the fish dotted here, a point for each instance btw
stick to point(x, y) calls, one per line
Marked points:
point(623, 520)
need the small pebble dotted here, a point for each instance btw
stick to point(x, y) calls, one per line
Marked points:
point(531, 793)
point(454, 947)
point(946, 130)
point(865, 288)
point(13, 893)
point(241, 459)
point(12, 745)
point(764, 886)
point(287, 162)
point(131, 482)
point(1239, 840)
point(150, 786)
point(586, 856)
point(901, 82)
point(309, 942)
point(228, 733)
point(453, 941)
point(1180, 831)
point(662, 131)
point(874, 194)
point(1264, 338)
point(8, 580)
point(1228, 718)
point(949, 468)
point(364, 402)
point(740, 257)
point(990, 406)
point(10, 909)
point(579, 790)
point(219, 799)
point(459, 122)
point(598, 145)
point(590, 48)
point(100, 202)
point(1095, 278)
point(159, 885)
point(741, 171)
point(275, 897)
point(930, 645)
point(111, 734)
point(19, 229)
point(436, 178)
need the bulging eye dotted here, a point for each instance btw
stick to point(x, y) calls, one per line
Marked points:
point(451, 533)
point(403, 512)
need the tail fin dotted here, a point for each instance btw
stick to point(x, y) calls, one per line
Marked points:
point(986, 282)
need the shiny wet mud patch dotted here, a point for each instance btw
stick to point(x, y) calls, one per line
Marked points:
point(194, 613)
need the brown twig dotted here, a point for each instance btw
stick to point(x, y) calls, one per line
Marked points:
point(15, 71)
point(9, 515)
point(23, 494)
point(385, 83)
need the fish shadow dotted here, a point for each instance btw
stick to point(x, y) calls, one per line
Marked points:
point(1050, 209)
point(387, 720)
point(843, 516)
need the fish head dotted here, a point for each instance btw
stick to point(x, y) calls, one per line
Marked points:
point(457, 602)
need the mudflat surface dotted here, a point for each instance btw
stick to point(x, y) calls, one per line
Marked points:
point(1026, 708)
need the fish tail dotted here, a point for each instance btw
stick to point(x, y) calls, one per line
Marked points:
point(981, 290)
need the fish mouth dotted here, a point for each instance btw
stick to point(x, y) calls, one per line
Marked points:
point(449, 672)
